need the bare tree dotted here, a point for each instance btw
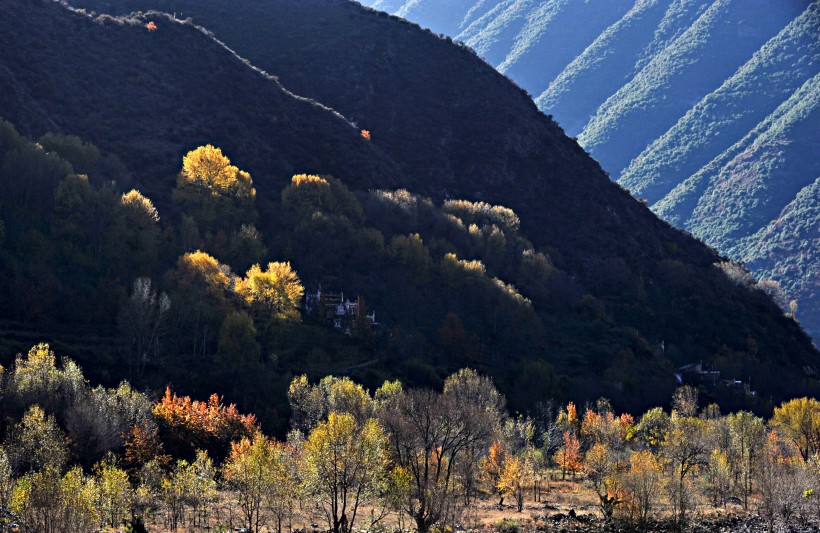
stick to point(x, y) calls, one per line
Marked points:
point(430, 433)
point(141, 319)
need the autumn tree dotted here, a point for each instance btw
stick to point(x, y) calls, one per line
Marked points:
point(310, 404)
point(748, 440)
point(643, 483)
point(142, 445)
point(36, 443)
point(492, 467)
point(217, 193)
point(569, 456)
point(273, 294)
point(262, 472)
point(79, 513)
point(142, 320)
point(430, 432)
point(685, 401)
point(799, 421)
point(308, 194)
point(718, 477)
point(133, 239)
point(187, 425)
point(686, 448)
point(238, 351)
point(344, 465)
point(200, 285)
point(602, 469)
point(113, 493)
point(513, 479)
point(652, 428)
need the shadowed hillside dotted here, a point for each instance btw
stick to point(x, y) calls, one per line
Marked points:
point(581, 286)
point(662, 94)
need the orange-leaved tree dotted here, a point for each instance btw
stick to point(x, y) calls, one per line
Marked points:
point(187, 425)
point(568, 456)
point(492, 467)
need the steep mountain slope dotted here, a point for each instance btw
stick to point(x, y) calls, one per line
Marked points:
point(788, 249)
point(759, 189)
point(679, 76)
point(727, 114)
point(613, 59)
point(670, 88)
point(554, 34)
point(626, 283)
point(149, 106)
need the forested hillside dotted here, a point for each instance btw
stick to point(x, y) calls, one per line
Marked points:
point(662, 93)
point(478, 233)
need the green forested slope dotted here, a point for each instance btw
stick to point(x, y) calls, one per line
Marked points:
point(723, 117)
point(679, 76)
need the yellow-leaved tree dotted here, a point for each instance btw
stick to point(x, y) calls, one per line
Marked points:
point(513, 480)
point(217, 193)
point(200, 285)
point(799, 421)
point(272, 294)
point(276, 291)
point(344, 466)
point(263, 473)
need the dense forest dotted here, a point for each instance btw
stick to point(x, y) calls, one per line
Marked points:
point(673, 97)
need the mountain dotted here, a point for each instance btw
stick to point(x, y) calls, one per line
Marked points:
point(571, 289)
point(662, 95)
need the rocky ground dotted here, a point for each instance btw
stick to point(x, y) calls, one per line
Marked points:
point(585, 523)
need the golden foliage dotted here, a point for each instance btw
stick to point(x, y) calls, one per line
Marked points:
point(134, 201)
point(214, 188)
point(799, 421)
point(276, 291)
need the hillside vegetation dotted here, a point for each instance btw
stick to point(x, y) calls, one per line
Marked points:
point(662, 96)
point(544, 274)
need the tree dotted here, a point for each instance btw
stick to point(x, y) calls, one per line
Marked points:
point(686, 448)
point(200, 285)
point(312, 403)
point(114, 493)
point(685, 401)
point(643, 483)
point(188, 425)
point(429, 433)
point(263, 473)
point(748, 439)
point(218, 194)
point(141, 320)
point(718, 477)
point(344, 465)
point(274, 294)
point(602, 470)
point(799, 421)
point(36, 442)
point(492, 467)
point(77, 497)
point(569, 456)
point(238, 348)
point(133, 239)
point(652, 428)
point(512, 480)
